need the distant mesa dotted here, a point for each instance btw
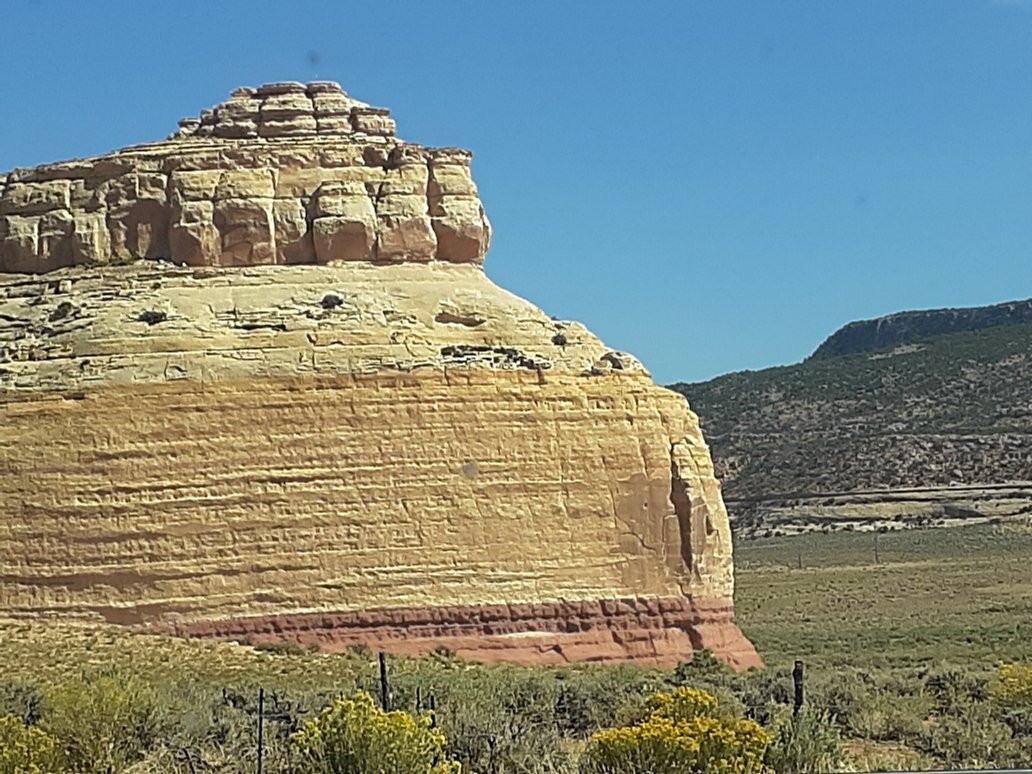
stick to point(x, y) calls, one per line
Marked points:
point(255, 384)
point(908, 327)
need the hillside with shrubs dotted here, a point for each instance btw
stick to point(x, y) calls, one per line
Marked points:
point(927, 431)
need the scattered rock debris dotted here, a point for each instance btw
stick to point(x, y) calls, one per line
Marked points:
point(63, 310)
point(498, 356)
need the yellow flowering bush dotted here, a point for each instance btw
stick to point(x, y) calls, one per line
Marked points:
point(24, 749)
point(354, 736)
point(679, 736)
point(681, 704)
point(1013, 685)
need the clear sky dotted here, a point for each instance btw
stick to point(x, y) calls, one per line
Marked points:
point(712, 186)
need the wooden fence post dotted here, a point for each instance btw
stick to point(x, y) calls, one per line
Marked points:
point(797, 679)
point(261, 714)
point(384, 695)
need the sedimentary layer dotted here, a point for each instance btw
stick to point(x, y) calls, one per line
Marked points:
point(657, 631)
point(191, 445)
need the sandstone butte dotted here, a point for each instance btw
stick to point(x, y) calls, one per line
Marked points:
point(254, 384)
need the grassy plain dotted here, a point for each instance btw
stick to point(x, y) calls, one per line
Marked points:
point(960, 595)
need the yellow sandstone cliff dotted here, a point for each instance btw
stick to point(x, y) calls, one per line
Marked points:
point(255, 383)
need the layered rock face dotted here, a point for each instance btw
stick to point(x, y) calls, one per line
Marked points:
point(286, 173)
point(372, 444)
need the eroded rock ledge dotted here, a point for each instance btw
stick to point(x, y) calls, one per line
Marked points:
point(286, 173)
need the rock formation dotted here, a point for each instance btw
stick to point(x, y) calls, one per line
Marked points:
point(254, 383)
point(286, 173)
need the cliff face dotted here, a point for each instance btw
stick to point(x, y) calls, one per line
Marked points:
point(368, 442)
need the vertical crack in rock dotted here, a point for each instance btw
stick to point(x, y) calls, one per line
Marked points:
point(681, 500)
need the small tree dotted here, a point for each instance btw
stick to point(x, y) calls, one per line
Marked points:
point(354, 736)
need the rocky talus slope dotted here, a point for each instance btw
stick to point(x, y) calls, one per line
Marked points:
point(254, 383)
point(930, 431)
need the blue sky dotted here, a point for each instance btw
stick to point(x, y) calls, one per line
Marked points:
point(712, 186)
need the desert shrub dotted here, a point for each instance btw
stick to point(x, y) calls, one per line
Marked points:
point(681, 704)
point(956, 686)
point(216, 730)
point(750, 694)
point(679, 737)
point(760, 690)
point(886, 705)
point(26, 750)
point(1012, 686)
point(589, 700)
point(354, 736)
point(972, 736)
point(1011, 692)
point(879, 756)
point(21, 700)
point(845, 697)
point(807, 743)
point(499, 719)
point(886, 716)
point(102, 723)
point(704, 665)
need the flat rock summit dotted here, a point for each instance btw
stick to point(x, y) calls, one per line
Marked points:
point(254, 384)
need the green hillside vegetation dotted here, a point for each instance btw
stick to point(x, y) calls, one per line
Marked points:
point(901, 660)
point(946, 411)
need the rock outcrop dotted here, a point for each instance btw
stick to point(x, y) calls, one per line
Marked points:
point(369, 442)
point(286, 173)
